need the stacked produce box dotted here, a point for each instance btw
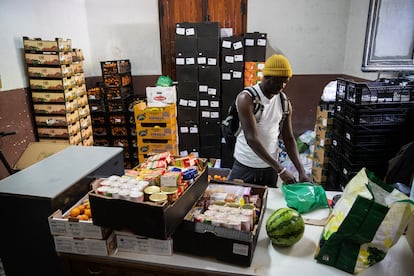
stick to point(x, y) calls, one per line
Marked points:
point(156, 129)
point(372, 121)
point(255, 56)
point(112, 110)
point(58, 91)
point(198, 90)
point(323, 141)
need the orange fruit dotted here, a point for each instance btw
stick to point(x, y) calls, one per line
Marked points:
point(88, 212)
point(81, 208)
point(75, 212)
point(83, 217)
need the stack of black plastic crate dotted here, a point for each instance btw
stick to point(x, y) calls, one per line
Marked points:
point(232, 82)
point(118, 108)
point(372, 121)
point(198, 89)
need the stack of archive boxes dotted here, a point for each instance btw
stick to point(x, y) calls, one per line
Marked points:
point(372, 121)
point(198, 90)
point(112, 110)
point(58, 91)
point(156, 129)
point(323, 141)
point(232, 83)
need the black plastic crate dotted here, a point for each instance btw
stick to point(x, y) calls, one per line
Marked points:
point(341, 88)
point(118, 93)
point(117, 80)
point(115, 67)
point(378, 114)
point(120, 105)
point(378, 92)
point(377, 134)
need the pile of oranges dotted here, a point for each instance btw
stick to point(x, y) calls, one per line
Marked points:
point(217, 177)
point(81, 211)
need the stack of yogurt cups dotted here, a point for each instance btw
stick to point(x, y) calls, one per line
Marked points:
point(238, 218)
point(126, 188)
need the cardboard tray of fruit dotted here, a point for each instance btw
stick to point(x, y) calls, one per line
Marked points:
point(77, 222)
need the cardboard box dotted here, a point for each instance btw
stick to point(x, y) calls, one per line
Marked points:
point(224, 244)
point(85, 246)
point(145, 114)
point(161, 96)
point(36, 44)
point(61, 225)
point(144, 218)
point(37, 151)
point(51, 72)
point(128, 242)
point(48, 59)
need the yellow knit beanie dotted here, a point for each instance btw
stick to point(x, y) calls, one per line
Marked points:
point(277, 66)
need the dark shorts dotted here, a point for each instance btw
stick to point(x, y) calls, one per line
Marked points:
point(259, 176)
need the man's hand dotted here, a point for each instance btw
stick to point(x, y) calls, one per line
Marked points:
point(287, 177)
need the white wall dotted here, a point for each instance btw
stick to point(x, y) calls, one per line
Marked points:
point(318, 36)
point(103, 29)
point(124, 29)
point(311, 34)
point(46, 19)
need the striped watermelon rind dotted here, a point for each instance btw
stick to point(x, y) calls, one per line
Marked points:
point(285, 227)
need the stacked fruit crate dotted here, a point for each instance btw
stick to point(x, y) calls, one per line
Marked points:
point(156, 129)
point(58, 92)
point(115, 109)
point(372, 121)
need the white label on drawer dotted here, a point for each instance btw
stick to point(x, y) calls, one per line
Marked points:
point(226, 44)
point(201, 60)
point(237, 45)
point(240, 249)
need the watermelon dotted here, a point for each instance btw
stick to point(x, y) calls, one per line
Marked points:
point(285, 227)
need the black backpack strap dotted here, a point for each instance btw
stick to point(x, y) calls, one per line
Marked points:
point(284, 101)
point(257, 103)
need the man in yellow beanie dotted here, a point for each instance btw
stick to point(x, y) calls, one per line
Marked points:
point(256, 150)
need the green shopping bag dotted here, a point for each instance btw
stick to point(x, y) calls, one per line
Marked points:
point(304, 197)
point(366, 222)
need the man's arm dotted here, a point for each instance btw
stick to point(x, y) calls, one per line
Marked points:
point(291, 147)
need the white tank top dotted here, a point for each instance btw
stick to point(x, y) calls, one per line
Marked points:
point(268, 130)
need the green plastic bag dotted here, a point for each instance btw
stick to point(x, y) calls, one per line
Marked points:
point(304, 196)
point(164, 81)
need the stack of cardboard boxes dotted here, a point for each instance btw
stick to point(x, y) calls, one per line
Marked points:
point(323, 141)
point(58, 91)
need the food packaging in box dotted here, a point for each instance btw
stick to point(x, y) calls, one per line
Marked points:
point(224, 244)
point(85, 246)
point(60, 225)
point(161, 96)
point(144, 218)
point(128, 242)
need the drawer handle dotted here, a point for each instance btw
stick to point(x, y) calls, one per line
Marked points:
point(94, 272)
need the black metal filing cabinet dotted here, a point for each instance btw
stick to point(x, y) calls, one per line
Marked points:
point(28, 197)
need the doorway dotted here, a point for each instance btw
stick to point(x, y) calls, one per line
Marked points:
point(228, 13)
